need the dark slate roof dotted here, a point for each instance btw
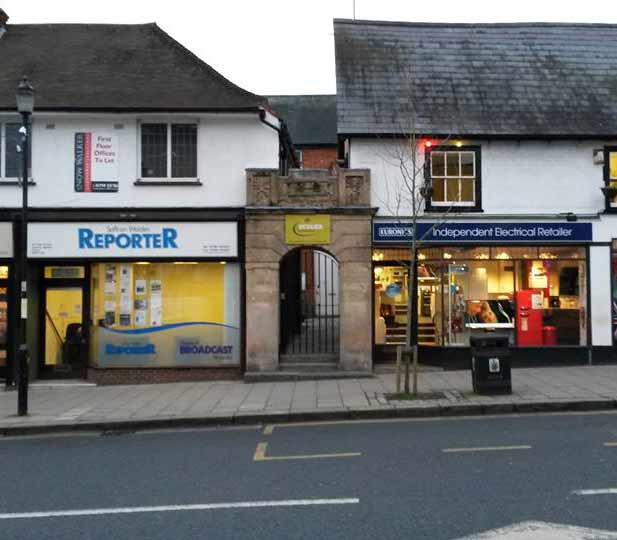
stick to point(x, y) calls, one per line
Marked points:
point(311, 119)
point(112, 66)
point(476, 79)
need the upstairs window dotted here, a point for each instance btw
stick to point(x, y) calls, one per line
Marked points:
point(10, 158)
point(610, 173)
point(169, 152)
point(455, 179)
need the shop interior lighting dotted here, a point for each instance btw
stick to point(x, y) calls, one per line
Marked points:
point(502, 255)
point(378, 271)
point(222, 262)
point(428, 144)
point(184, 262)
point(447, 255)
point(421, 256)
point(482, 256)
point(458, 144)
point(378, 256)
point(142, 262)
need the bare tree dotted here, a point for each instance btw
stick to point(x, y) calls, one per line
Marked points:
point(406, 198)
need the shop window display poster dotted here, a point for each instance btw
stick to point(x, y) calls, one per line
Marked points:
point(110, 312)
point(140, 287)
point(141, 311)
point(155, 302)
point(110, 279)
point(126, 295)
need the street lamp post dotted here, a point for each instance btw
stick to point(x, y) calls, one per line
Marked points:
point(25, 106)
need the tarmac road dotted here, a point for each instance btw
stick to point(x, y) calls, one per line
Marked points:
point(421, 479)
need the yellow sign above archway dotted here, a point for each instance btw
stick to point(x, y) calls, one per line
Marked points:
point(307, 229)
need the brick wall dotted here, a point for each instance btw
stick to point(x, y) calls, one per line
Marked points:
point(160, 375)
point(319, 158)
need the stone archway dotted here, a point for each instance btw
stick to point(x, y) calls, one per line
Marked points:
point(309, 306)
point(344, 201)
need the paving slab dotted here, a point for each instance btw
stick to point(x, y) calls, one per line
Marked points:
point(56, 407)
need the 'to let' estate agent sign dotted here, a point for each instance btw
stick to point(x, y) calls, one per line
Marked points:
point(96, 162)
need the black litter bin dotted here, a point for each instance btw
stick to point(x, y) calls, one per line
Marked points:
point(490, 365)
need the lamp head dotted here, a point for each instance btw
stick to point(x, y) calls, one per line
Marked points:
point(25, 97)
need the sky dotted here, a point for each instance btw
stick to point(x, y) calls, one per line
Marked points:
point(287, 46)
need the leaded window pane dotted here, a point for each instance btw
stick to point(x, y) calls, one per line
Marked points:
point(154, 150)
point(184, 151)
point(12, 168)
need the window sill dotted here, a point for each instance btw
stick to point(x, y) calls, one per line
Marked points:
point(13, 182)
point(452, 209)
point(140, 182)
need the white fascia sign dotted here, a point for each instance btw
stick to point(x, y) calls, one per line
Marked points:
point(132, 240)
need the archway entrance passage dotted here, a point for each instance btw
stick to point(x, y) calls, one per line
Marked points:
point(309, 287)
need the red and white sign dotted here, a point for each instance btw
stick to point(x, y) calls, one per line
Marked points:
point(96, 162)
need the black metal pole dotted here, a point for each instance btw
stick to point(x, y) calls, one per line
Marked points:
point(22, 271)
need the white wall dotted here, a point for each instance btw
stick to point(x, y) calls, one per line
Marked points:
point(527, 177)
point(600, 287)
point(227, 145)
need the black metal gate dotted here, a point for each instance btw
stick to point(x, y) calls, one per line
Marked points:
point(309, 303)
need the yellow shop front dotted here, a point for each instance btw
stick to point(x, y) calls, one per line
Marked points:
point(145, 296)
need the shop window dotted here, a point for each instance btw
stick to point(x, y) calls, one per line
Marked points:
point(11, 159)
point(562, 252)
point(516, 252)
point(391, 254)
point(454, 253)
point(454, 176)
point(169, 151)
point(537, 296)
point(165, 314)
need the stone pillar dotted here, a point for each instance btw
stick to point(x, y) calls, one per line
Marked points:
point(351, 235)
point(263, 253)
point(262, 316)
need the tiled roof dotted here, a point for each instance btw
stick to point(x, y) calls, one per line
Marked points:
point(111, 66)
point(311, 119)
point(476, 79)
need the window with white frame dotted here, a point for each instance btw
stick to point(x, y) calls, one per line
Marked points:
point(454, 178)
point(610, 170)
point(10, 158)
point(169, 151)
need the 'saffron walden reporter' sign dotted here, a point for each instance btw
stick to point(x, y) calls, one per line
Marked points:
point(307, 229)
point(126, 240)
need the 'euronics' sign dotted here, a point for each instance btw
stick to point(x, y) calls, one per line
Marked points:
point(129, 240)
point(396, 232)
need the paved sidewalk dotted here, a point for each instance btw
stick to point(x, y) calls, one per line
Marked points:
point(62, 407)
